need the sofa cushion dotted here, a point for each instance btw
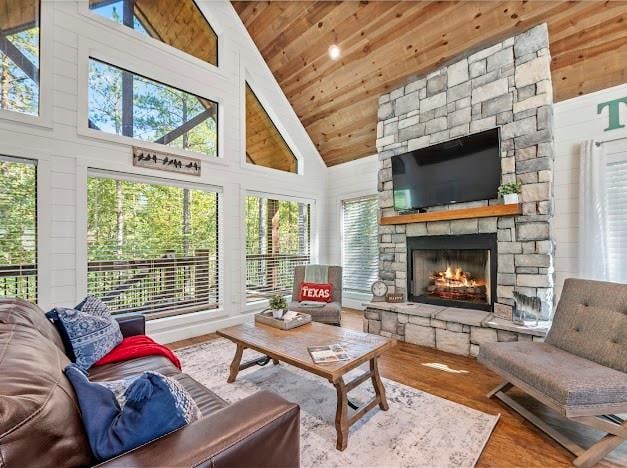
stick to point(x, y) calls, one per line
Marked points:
point(122, 370)
point(91, 336)
point(27, 314)
point(591, 322)
point(121, 415)
point(207, 401)
point(38, 410)
point(570, 381)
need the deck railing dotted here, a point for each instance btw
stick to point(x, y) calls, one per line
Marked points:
point(268, 274)
point(19, 281)
point(164, 286)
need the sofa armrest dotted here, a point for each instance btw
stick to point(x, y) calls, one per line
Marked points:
point(131, 325)
point(262, 430)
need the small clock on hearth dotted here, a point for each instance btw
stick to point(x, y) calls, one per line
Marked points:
point(379, 291)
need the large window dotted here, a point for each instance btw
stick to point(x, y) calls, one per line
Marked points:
point(178, 23)
point(277, 239)
point(18, 229)
point(152, 248)
point(265, 146)
point(124, 103)
point(617, 218)
point(360, 248)
point(19, 56)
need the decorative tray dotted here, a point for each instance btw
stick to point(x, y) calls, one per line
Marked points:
point(266, 318)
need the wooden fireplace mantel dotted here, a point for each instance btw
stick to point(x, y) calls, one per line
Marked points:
point(465, 213)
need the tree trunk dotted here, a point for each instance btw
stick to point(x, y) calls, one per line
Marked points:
point(186, 200)
point(4, 83)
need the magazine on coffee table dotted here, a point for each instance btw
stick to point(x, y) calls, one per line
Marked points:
point(326, 354)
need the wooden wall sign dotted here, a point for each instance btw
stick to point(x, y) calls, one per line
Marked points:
point(395, 297)
point(151, 159)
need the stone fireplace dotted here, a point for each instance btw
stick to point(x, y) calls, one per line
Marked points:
point(453, 271)
point(507, 85)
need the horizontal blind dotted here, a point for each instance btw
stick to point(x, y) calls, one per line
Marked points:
point(18, 228)
point(152, 248)
point(617, 220)
point(360, 248)
point(277, 240)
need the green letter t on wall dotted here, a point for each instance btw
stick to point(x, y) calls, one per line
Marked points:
point(613, 112)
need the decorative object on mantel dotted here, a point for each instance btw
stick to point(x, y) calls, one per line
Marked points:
point(278, 306)
point(395, 297)
point(266, 317)
point(510, 192)
point(526, 308)
point(379, 291)
point(143, 157)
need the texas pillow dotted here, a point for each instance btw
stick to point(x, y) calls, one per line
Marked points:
point(316, 292)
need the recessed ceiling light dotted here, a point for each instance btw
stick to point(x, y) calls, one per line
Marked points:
point(334, 52)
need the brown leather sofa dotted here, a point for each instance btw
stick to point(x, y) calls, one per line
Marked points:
point(40, 422)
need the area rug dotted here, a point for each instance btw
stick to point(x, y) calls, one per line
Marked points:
point(419, 430)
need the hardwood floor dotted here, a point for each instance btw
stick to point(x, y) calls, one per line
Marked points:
point(515, 442)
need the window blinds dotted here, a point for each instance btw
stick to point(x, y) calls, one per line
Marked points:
point(360, 249)
point(18, 228)
point(617, 220)
point(152, 248)
point(277, 239)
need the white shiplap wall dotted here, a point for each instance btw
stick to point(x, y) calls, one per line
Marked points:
point(66, 149)
point(576, 120)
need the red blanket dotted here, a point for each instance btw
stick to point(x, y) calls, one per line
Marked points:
point(136, 347)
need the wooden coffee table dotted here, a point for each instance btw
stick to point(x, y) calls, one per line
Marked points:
point(290, 346)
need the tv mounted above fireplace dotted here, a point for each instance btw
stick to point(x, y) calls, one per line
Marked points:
point(460, 170)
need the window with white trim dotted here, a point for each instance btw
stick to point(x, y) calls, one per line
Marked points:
point(18, 228)
point(179, 23)
point(19, 56)
point(125, 103)
point(152, 248)
point(617, 217)
point(360, 247)
point(277, 240)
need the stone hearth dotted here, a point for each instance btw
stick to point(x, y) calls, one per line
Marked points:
point(507, 85)
point(450, 329)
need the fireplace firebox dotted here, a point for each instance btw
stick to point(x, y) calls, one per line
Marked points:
point(458, 271)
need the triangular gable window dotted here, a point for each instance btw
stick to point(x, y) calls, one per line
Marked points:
point(178, 23)
point(265, 146)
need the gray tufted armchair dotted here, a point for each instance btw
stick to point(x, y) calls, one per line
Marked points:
point(580, 370)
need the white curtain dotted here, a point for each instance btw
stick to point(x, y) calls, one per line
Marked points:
point(593, 252)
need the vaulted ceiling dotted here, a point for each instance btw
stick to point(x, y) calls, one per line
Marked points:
point(385, 43)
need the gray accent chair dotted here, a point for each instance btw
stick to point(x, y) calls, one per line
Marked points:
point(580, 370)
point(331, 313)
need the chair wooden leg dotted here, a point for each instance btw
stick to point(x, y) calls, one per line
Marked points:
point(615, 437)
point(616, 428)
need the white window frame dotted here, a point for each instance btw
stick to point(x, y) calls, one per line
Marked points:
point(99, 20)
point(351, 295)
point(44, 217)
point(82, 247)
point(46, 74)
point(313, 253)
point(88, 50)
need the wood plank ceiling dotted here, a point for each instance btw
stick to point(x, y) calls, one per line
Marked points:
point(385, 43)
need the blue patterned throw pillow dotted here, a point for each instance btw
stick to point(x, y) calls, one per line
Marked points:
point(121, 415)
point(91, 333)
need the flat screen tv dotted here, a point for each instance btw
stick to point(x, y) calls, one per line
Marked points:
point(461, 170)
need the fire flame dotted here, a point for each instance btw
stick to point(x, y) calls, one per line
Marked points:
point(455, 278)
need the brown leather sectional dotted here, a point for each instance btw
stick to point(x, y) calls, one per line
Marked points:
point(40, 423)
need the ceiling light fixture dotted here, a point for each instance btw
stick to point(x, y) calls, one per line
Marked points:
point(334, 52)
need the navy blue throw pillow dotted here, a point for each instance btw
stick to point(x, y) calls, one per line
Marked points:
point(87, 334)
point(121, 415)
